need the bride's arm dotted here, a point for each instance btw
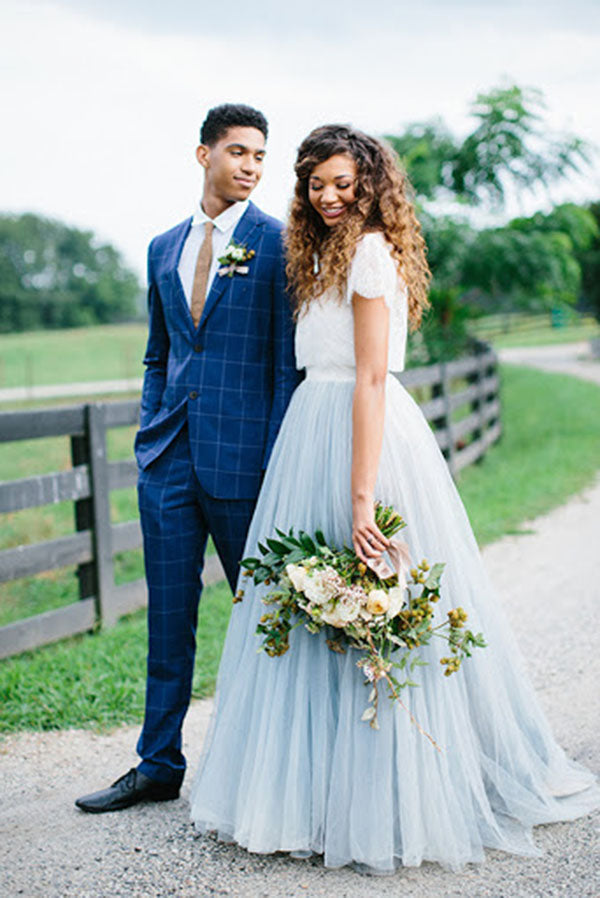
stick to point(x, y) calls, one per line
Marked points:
point(371, 335)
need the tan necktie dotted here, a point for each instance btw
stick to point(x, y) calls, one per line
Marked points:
point(201, 274)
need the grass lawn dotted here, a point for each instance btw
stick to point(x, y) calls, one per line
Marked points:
point(539, 333)
point(99, 680)
point(547, 336)
point(108, 352)
point(550, 449)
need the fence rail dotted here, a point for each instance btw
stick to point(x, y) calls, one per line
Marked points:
point(460, 400)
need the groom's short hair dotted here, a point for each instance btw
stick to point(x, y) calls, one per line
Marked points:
point(231, 115)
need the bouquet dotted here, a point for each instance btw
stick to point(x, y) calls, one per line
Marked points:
point(385, 613)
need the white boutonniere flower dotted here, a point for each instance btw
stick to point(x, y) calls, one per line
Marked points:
point(233, 259)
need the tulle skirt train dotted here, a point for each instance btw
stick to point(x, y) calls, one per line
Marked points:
point(288, 765)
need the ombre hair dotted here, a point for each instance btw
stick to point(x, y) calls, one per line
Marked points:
point(381, 204)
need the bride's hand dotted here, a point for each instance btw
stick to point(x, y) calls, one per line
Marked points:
point(367, 538)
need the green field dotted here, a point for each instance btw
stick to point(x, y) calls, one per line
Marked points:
point(114, 352)
point(534, 330)
point(549, 450)
point(36, 358)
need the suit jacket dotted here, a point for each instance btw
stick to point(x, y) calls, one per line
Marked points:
point(231, 378)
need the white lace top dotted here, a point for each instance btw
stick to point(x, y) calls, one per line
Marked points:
point(325, 333)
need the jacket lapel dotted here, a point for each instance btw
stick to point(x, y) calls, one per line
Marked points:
point(242, 234)
point(172, 270)
point(178, 240)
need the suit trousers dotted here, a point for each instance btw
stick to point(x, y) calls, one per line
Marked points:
point(177, 516)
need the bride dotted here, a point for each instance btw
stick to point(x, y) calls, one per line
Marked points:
point(288, 765)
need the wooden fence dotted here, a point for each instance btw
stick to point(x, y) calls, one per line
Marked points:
point(460, 399)
point(490, 327)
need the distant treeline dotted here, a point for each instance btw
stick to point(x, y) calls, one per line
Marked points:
point(55, 276)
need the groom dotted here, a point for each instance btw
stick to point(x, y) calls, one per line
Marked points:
point(219, 374)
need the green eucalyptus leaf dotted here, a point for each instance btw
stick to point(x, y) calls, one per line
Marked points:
point(250, 562)
point(307, 543)
point(434, 576)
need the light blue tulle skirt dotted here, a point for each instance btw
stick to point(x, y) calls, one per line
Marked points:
point(288, 765)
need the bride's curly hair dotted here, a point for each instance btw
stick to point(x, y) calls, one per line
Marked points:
point(381, 204)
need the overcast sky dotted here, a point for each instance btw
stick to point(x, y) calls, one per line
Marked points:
point(103, 98)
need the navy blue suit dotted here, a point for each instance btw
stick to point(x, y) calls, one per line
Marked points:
point(212, 403)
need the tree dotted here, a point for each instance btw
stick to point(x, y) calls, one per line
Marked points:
point(589, 258)
point(510, 268)
point(444, 332)
point(509, 145)
point(54, 276)
point(531, 263)
point(427, 151)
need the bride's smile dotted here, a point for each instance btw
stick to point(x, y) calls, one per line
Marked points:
point(331, 187)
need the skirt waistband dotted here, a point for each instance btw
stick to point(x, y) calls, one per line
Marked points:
point(340, 374)
point(314, 372)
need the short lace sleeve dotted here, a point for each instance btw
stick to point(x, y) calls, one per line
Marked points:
point(373, 272)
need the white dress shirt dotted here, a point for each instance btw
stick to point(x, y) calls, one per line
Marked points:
point(223, 232)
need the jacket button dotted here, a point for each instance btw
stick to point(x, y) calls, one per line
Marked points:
point(198, 347)
point(193, 394)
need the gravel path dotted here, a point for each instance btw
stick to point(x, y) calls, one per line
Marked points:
point(547, 578)
point(564, 358)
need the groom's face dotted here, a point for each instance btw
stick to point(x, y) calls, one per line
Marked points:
point(233, 165)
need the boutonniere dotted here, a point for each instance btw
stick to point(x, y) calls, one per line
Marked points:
point(233, 259)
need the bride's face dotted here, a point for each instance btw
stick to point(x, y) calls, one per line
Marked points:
point(332, 188)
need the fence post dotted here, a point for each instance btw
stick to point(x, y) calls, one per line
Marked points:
point(444, 423)
point(446, 393)
point(477, 405)
point(96, 578)
point(491, 369)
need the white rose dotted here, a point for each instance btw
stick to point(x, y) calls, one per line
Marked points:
point(378, 601)
point(396, 597)
point(297, 575)
point(334, 617)
point(338, 615)
point(237, 253)
point(344, 610)
point(314, 589)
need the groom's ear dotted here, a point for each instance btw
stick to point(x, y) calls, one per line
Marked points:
point(203, 155)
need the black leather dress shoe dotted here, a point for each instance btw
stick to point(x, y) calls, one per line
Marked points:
point(130, 789)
